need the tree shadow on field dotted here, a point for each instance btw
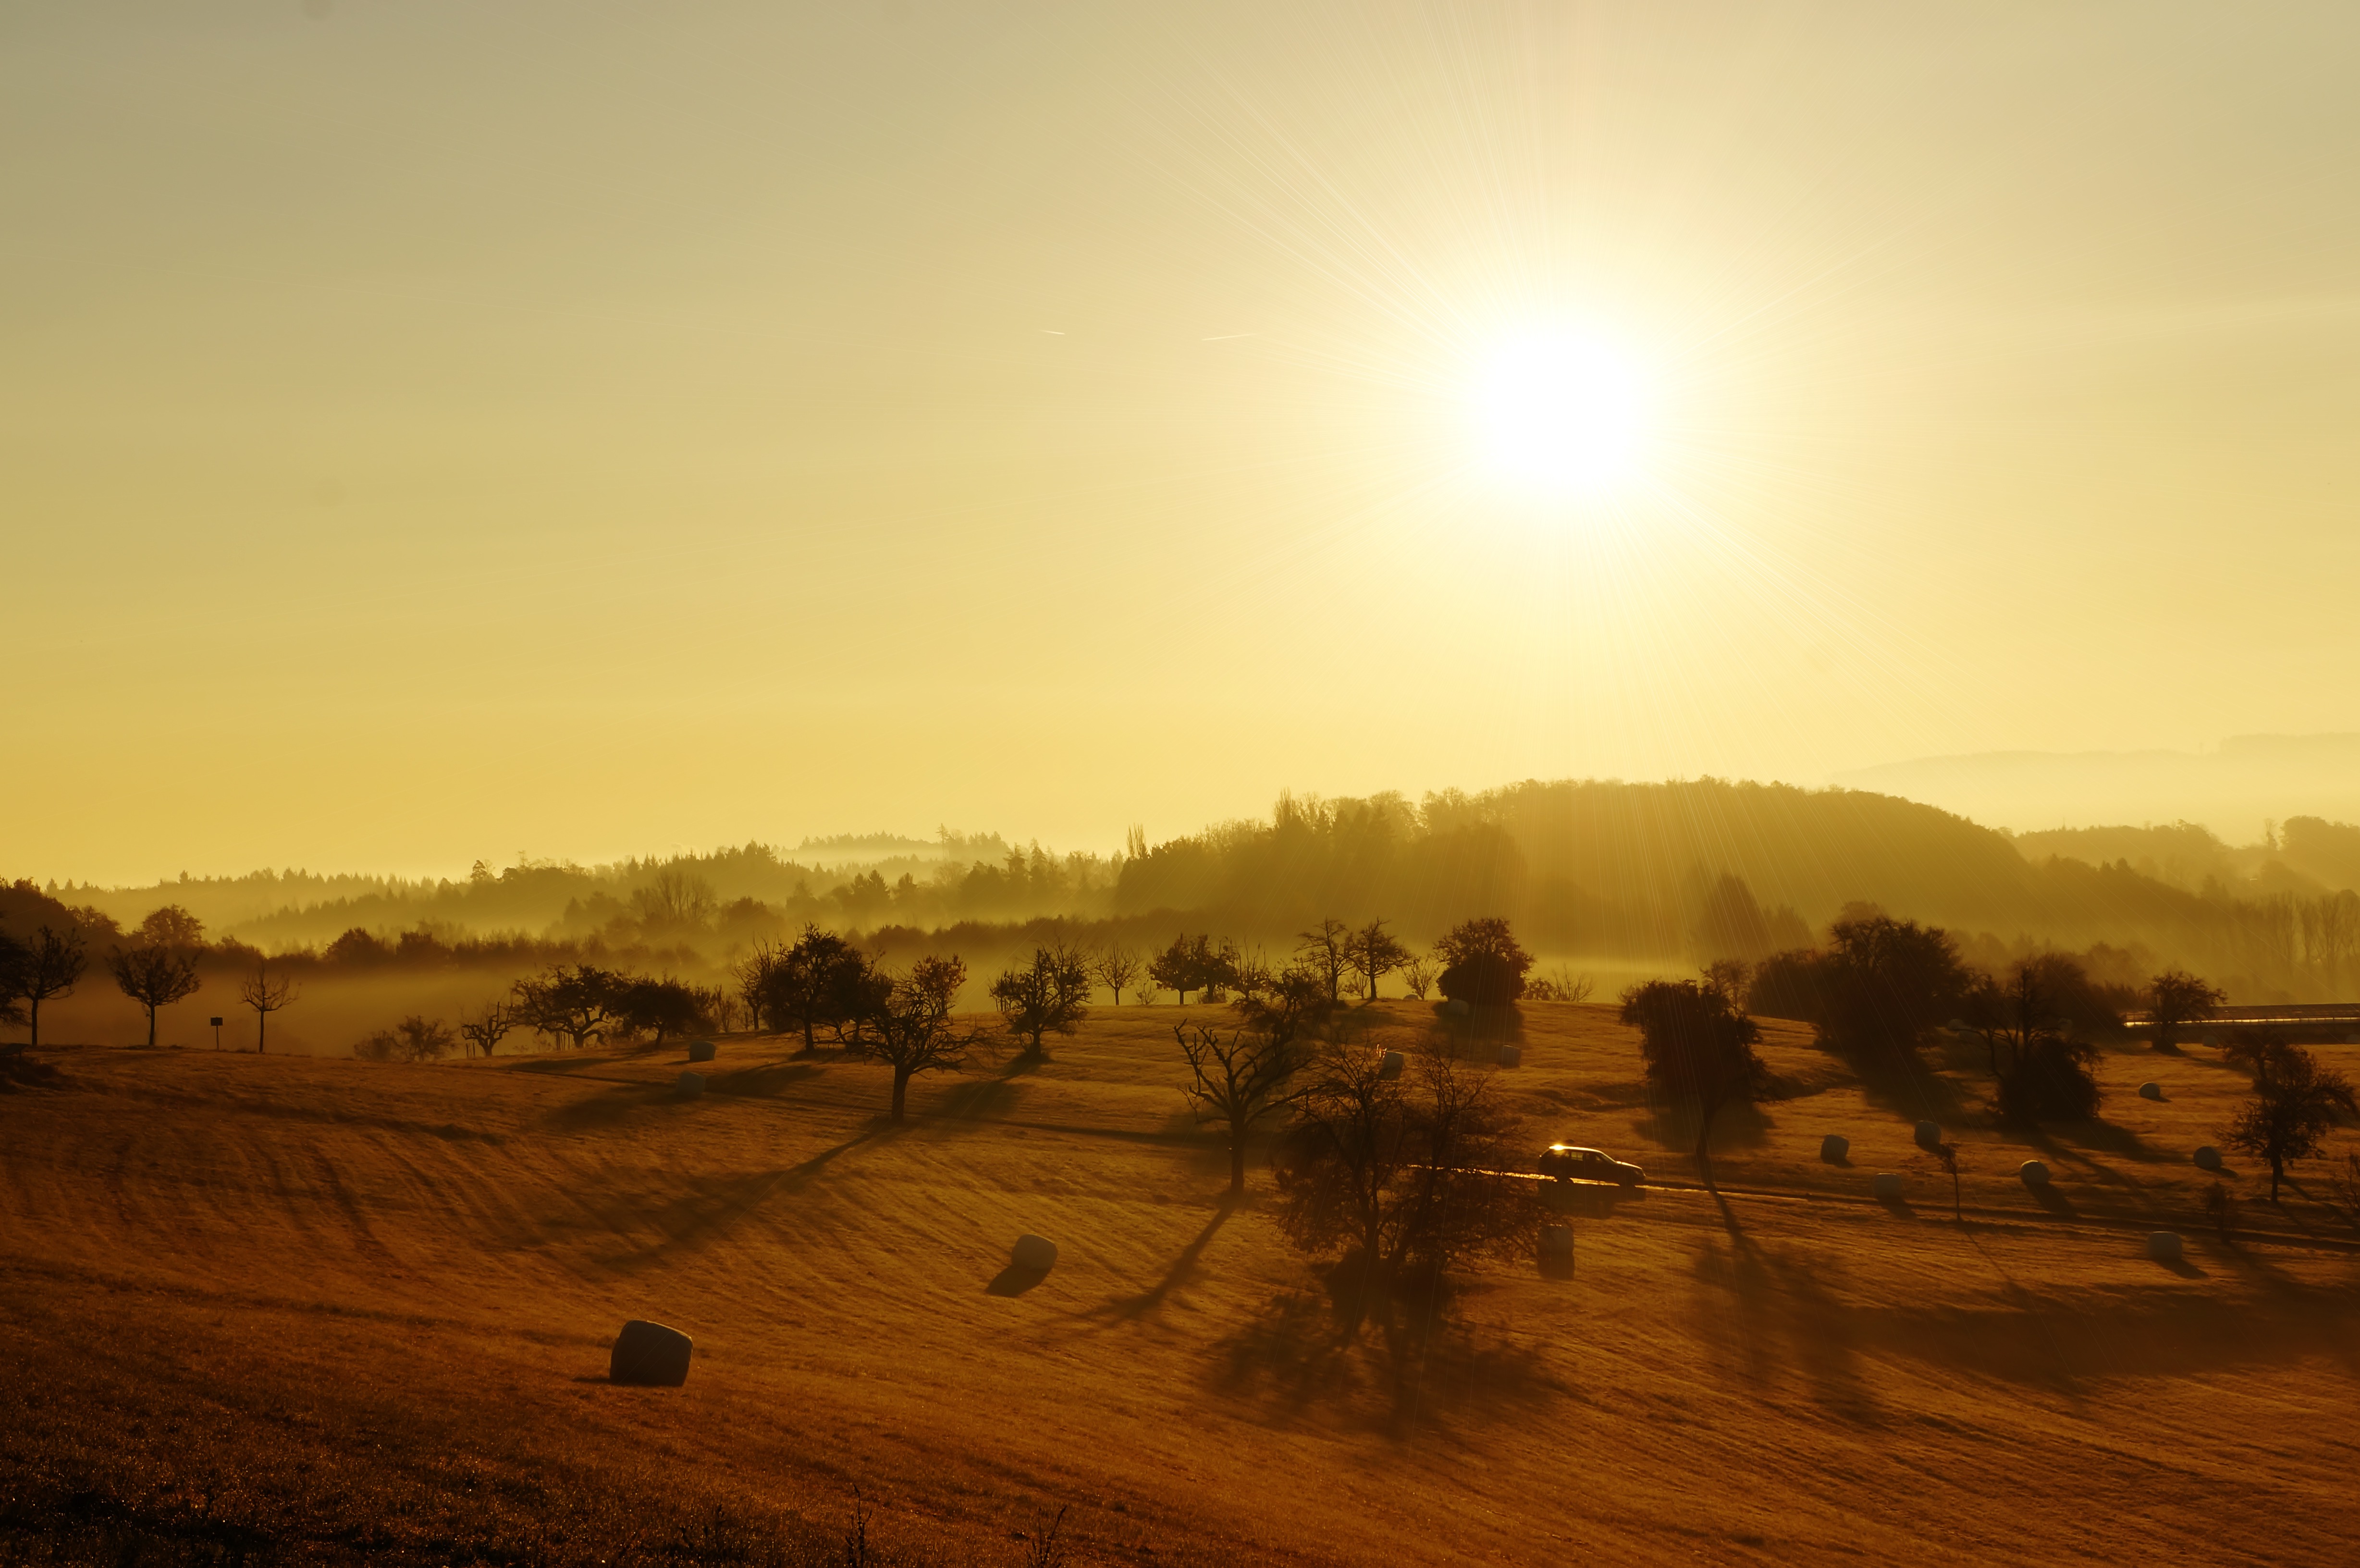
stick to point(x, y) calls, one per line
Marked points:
point(770, 1078)
point(1899, 1080)
point(553, 1063)
point(1761, 1310)
point(606, 1107)
point(975, 1100)
point(712, 1205)
point(1410, 1363)
point(1129, 1308)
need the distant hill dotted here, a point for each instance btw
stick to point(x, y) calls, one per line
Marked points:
point(2233, 790)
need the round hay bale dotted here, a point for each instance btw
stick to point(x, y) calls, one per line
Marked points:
point(1390, 1064)
point(1457, 1007)
point(1557, 1240)
point(1929, 1135)
point(690, 1085)
point(1886, 1185)
point(1835, 1148)
point(2034, 1172)
point(1035, 1254)
point(1512, 1056)
point(650, 1353)
point(2208, 1159)
point(2163, 1246)
point(700, 1050)
point(2150, 1091)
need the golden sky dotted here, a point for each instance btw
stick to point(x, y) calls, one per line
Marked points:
point(437, 429)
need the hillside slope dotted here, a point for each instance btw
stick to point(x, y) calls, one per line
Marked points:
point(416, 1271)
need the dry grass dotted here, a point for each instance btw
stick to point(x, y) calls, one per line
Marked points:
point(311, 1309)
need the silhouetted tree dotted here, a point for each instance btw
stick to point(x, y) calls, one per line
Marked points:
point(414, 1039)
point(579, 1001)
point(2045, 1072)
point(266, 996)
point(1417, 976)
point(486, 1031)
point(1373, 954)
point(662, 1006)
point(915, 1030)
point(2295, 1102)
point(154, 976)
point(1116, 967)
point(15, 963)
point(1697, 1045)
point(172, 926)
point(1193, 964)
point(53, 963)
point(1482, 963)
point(1326, 948)
point(1048, 995)
point(755, 974)
point(1407, 1172)
point(821, 980)
point(1875, 990)
point(2175, 999)
point(1237, 1080)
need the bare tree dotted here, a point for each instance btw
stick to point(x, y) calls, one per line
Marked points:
point(266, 996)
point(1116, 968)
point(1049, 996)
point(674, 899)
point(1236, 1080)
point(53, 963)
point(1326, 948)
point(154, 976)
point(497, 1022)
point(1417, 976)
point(1372, 954)
point(916, 1030)
point(755, 975)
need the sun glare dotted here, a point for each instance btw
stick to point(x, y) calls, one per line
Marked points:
point(1560, 413)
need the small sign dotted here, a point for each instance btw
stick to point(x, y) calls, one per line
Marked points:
point(217, 1023)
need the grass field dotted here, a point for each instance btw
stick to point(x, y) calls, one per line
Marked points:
point(312, 1310)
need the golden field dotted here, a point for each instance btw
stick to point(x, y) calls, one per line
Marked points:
point(323, 1311)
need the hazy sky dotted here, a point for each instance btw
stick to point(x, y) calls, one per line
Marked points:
point(436, 430)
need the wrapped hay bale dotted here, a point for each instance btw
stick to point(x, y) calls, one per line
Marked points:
point(1457, 1007)
point(1557, 1241)
point(1390, 1064)
point(1835, 1148)
point(1929, 1135)
point(2034, 1172)
point(650, 1354)
point(2208, 1159)
point(2163, 1246)
point(700, 1050)
point(689, 1086)
point(1512, 1056)
point(2150, 1091)
point(1034, 1253)
point(1885, 1186)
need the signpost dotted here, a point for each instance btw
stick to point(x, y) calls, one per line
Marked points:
point(217, 1034)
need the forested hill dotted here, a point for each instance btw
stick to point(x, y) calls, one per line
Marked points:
point(1587, 865)
point(1644, 869)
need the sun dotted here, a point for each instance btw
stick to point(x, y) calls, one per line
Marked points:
point(1560, 413)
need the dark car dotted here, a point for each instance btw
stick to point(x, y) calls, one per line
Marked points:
point(1570, 1163)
